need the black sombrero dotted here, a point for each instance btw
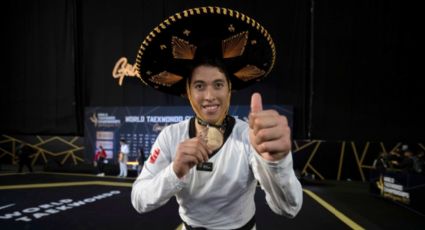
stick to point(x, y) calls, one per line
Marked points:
point(166, 55)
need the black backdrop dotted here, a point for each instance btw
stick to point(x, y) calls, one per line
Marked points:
point(350, 68)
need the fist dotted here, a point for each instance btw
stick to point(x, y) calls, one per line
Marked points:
point(190, 153)
point(269, 132)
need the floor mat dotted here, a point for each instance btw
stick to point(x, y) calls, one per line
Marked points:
point(81, 201)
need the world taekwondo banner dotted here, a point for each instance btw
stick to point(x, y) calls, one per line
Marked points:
point(140, 126)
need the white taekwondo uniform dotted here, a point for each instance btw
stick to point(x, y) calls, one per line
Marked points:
point(224, 197)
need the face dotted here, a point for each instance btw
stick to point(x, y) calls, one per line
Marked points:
point(209, 90)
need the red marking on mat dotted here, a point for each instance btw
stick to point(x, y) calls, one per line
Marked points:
point(154, 156)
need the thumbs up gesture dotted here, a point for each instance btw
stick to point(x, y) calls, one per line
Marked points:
point(269, 131)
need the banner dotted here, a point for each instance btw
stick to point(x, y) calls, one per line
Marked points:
point(140, 126)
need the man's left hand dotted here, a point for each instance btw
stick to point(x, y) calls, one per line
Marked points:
point(269, 132)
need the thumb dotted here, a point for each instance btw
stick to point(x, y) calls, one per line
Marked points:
point(256, 104)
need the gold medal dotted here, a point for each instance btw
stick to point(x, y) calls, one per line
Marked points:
point(214, 138)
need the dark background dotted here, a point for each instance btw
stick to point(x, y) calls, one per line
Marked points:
point(351, 69)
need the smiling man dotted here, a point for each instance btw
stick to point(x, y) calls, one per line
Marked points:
point(213, 162)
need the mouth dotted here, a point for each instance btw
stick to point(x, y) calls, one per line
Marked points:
point(210, 109)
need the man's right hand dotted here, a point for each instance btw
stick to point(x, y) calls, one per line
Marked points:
point(190, 153)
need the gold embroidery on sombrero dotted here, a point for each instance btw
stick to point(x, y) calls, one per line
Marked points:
point(240, 30)
point(165, 78)
point(249, 72)
point(186, 32)
point(231, 28)
point(182, 49)
point(234, 45)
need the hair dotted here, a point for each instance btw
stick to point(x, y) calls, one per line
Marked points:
point(213, 62)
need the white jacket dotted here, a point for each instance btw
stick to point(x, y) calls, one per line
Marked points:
point(224, 197)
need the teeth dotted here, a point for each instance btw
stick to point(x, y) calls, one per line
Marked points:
point(210, 106)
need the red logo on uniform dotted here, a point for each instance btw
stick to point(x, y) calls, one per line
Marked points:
point(154, 155)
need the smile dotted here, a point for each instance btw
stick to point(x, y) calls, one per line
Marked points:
point(210, 108)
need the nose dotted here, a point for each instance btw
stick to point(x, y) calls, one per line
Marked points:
point(209, 93)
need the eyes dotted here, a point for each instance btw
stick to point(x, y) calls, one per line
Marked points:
point(202, 85)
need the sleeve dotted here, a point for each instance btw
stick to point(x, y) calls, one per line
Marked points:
point(157, 182)
point(125, 149)
point(282, 188)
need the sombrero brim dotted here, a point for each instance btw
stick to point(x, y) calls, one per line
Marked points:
point(166, 55)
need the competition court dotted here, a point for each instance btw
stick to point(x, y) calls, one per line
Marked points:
point(42, 200)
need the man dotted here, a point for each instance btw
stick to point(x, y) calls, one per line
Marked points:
point(99, 161)
point(213, 162)
point(123, 158)
point(140, 160)
point(24, 156)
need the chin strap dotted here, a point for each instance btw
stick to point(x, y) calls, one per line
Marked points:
point(206, 124)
